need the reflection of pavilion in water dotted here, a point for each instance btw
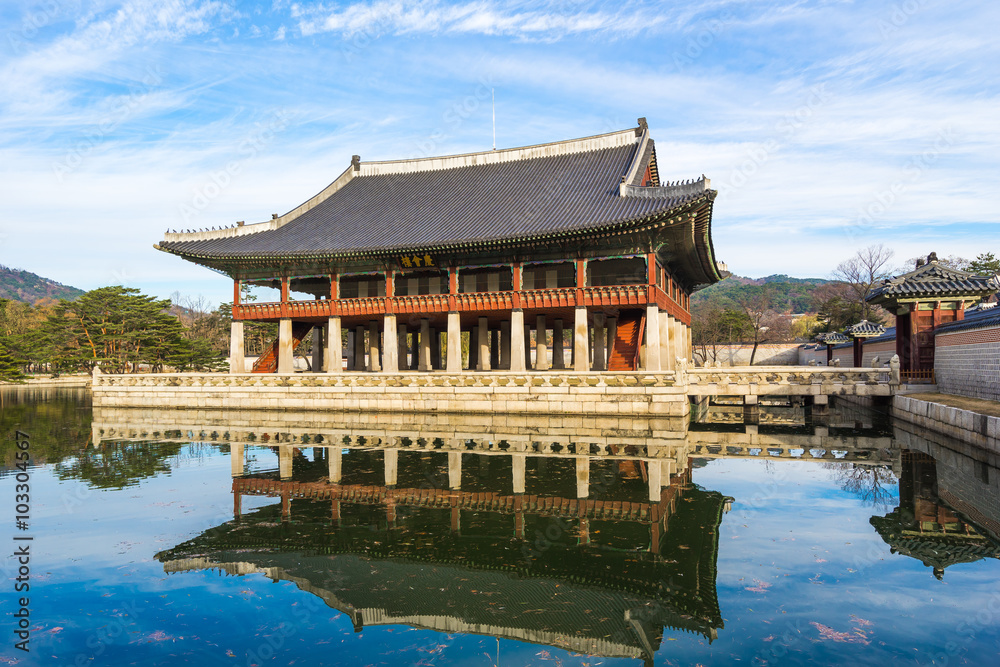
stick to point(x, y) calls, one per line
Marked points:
point(948, 510)
point(593, 554)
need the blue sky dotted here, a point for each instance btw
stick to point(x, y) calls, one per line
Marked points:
point(826, 126)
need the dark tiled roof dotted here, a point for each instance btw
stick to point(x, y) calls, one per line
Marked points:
point(523, 199)
point(864, 329)
point(974, 319)
point(834, 338)
point(933, 280)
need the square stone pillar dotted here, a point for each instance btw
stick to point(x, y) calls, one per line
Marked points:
point(527, 347)
point(688, 344)
point(236, 466)
point(237, 362)
point(390, 346)
point(435, 349)
point(454, 470)
point(285, 461)
point(403, 348)
point(360, 348)
point(600, 353)
point(558, 355)
point(285, 362)
point(454, 343)
point(495, 349)
point(425, 345)
point(483, 343)
point(351, 346)
point(673, 342)
point(317, 350)
point(334, 463)
point(474, 348)
point(374, 363)
point(334, 355)
point(541, 345)
point(505, 346)
point(517, 338)
point(415, 350)
point(582, 477)
point(517, 462)
point(655, 480)
point(679, 336)
point(390, 458)
point(652, 359)
point(581, 353)
point(666, 362)
point(612, 334)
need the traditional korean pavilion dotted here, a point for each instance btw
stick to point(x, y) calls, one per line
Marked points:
point(924, 299)
point(511, 249)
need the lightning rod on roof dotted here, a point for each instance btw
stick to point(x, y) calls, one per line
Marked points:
point(493, 95)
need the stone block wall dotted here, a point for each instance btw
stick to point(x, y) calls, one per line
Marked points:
point(967, 363)
point(883, 349)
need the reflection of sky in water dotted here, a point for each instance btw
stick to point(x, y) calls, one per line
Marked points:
point(802, 577)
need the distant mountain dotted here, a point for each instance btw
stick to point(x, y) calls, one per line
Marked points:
point(791, 294)
point(20, 285)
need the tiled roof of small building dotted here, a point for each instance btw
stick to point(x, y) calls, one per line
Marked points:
point(864, 329)
point(523, 194)
point(933, 280)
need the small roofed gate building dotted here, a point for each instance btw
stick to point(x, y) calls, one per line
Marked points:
point(566, 255)
point(922, 300)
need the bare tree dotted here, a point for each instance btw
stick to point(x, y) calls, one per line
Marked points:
point(868, 267)
point(765, 325)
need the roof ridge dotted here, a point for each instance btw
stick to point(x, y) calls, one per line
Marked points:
point(498, 156)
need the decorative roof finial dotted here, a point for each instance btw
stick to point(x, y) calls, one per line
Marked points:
point(932, 257)
point(356, 162)
point(643, 126)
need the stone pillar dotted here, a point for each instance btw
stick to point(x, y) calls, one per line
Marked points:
point(652, 358)
point(350, 351)
point(415, 350)
point(558, 356)
point(517, 347)
point(751, 410)
point(582, 477)
point(454, 470)
point(237, 362)
point(454, 343)
point(483, 343)
point(600, 353)
point(495, 349)
point(236, 459)
point(359, 348)
point(541, 345)
point(666, 358)
point(672, 342)
point(317, 351)
point(688, 345)
point(285, 461)
point(435, 349)
point(374, 363)
point(581, 336)
point(334, 346)
point(655, 480)
point(390, 346)
point(285, 362)
point(391, 459)
point(505, 345)
point(474, 348)
point(517, 469)
point(335, 464)
point(612, 333)
point(402, 348)
point(425, 345)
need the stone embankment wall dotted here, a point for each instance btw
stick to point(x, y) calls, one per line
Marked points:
point(608, 394)
point(976, 429)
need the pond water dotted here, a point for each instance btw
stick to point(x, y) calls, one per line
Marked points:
point(253, 539)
